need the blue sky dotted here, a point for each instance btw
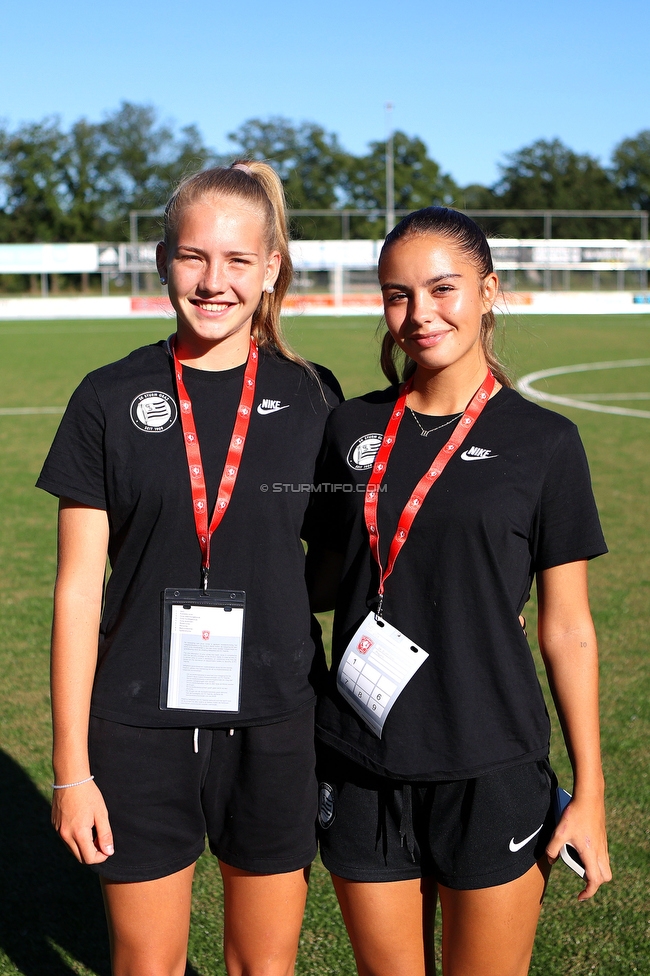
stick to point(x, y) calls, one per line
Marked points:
point(474, 80)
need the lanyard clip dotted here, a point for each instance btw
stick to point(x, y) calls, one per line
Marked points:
point(204, 578)
point(380, 606)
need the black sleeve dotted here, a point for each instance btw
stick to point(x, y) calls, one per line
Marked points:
point(331, 386)
point(324, 524)
point(567, 524)
point(74, 467)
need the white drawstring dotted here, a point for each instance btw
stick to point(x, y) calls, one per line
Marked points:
point(196, 740)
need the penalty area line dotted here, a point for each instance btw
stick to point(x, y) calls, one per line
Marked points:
point(525, 387)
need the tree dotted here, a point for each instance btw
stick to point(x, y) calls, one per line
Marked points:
point(145, 160)
point(419, 181)
point(319, 174)
point(31, 169)
point(310, 162)
point(549, 175)
point(80, 185)
point(86, 188)
point(477, 197)
point(631, 170)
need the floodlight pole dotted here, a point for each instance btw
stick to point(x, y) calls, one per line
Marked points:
point(133, 227)
point(390, 171)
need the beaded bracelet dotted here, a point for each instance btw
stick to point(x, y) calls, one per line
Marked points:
point(66, 786)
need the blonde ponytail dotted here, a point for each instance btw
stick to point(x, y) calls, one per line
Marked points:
point(267, 329)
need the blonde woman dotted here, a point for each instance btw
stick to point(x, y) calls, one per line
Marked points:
point(183, 694)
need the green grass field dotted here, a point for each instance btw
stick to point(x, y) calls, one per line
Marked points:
point(51, 919)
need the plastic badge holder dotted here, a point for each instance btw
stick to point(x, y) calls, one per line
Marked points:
point(568, 853)
point(202, 633)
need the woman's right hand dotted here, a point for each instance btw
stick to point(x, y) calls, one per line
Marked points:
point(80, 818)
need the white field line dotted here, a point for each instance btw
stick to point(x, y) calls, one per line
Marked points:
point(136, 325)
point(524, 385)
point(28, 411)
point(610, 396)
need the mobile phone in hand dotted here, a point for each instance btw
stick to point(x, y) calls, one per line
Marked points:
point(568, 853)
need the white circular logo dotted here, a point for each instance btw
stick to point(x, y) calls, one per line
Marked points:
point(153, 412)
point(362, 453)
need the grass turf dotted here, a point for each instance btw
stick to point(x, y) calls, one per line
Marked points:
point(50, 910)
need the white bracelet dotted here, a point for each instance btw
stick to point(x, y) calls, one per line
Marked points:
point(66, 786)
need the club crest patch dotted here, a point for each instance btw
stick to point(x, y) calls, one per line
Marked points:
point(153, 412)
point(326, 809)
point(364, 645)
point(361, 455)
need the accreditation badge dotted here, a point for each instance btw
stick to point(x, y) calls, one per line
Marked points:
point(203, 633)
point(377, 665)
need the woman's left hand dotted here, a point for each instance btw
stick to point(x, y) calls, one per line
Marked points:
point(583, 826)
point(567, 641)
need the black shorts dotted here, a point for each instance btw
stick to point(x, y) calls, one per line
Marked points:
point(253, 792)
point(472, 833)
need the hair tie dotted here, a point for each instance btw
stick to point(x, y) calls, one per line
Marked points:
point(243, 167)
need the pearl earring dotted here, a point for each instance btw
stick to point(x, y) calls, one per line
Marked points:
point(163, 280)
point(270, 289)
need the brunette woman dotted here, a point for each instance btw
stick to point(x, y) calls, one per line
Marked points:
point(457, 493)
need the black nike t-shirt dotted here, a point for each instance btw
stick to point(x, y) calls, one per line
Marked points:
point(515, 500)
point(120, 448)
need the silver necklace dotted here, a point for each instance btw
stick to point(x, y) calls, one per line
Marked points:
point(425, 433)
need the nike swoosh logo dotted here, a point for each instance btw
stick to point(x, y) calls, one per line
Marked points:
point(263, 410)
point(477, 457)
point(522, 843)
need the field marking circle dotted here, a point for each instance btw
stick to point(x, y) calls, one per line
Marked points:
point(525, 386)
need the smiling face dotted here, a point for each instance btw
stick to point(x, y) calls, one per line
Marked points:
point(217, 267)
point(434, 299)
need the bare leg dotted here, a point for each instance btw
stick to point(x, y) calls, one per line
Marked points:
point(263, 915)
point(390, 925)
point(490, 932)
point(149, 924)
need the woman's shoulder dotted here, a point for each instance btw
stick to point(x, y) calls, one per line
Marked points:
point(374, 404)
point(328, 383)
point(140, 362)
point(510, 404)
point(362, 420)
point(306, 378)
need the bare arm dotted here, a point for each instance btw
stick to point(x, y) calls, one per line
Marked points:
point(568, 644)
point(78, 813)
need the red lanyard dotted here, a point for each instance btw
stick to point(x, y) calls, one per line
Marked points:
point(233, 458)
point(425, 484)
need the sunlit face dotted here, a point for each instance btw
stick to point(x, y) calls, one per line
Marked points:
point(433, 302)
point(217, 268)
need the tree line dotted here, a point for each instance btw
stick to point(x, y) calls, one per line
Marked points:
point(79, 183)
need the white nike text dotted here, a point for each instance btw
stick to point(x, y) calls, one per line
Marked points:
point(477, 454)
point(271, 406)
